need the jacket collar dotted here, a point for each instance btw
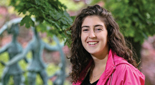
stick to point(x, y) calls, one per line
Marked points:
point(110, 67)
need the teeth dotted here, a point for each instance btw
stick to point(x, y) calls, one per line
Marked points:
point(92, 43)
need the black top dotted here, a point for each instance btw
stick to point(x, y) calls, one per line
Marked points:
point(87, 82)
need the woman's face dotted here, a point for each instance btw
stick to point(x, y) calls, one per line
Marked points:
point(94, 36)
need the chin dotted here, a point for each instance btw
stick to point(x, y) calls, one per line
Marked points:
point(92, 53)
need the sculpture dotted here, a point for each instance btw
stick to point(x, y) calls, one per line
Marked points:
point(36, 66)
point(13, 48)
point(60, 74)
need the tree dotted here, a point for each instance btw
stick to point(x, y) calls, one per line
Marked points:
point(49, 13)
point(135, 18)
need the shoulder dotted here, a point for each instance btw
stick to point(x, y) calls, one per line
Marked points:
point(128, 74)
point(123, 66)
point(127, 68)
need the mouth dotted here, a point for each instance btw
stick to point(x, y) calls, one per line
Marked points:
point(93, 43)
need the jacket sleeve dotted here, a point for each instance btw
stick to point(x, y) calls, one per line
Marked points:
point(131, 76)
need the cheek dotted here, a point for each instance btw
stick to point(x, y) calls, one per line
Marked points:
point(82, 39)
point(81, 36)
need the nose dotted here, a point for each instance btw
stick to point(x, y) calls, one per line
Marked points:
point(92, 34)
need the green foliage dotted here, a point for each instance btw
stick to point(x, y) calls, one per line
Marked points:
point(95, 1)
point(50, 13)
point(72, 6)
point(28, 20)
point(135, 17)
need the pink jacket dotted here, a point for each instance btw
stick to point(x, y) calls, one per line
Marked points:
point(117, 72)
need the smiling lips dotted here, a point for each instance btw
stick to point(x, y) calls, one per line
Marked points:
point(93, 43)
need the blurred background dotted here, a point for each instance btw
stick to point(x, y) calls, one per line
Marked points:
point(135, 18)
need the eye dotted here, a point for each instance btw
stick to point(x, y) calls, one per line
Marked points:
point(98, 29)
point(85, 29)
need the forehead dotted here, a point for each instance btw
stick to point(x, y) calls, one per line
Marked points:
point(92, 21)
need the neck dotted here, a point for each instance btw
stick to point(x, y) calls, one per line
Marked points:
point(100, 63)
point(14, 38)
point(100, 59)
point(36, 37)
point(99, 68)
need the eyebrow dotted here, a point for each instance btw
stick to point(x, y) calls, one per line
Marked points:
point(85, 26)
point(98, 25)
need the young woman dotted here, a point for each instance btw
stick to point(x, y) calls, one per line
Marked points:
point(100, 55)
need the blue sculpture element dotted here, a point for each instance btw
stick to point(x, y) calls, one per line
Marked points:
point(36, 66)
point(13, 48)
point(60, 74)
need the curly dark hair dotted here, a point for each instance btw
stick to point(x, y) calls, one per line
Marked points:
point(80, 57)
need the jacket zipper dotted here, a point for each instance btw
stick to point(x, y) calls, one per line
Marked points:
point(111, 79)
point(112, 76)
